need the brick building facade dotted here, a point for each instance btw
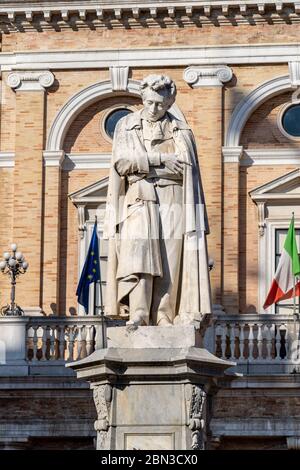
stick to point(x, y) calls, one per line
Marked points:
point(65, 67)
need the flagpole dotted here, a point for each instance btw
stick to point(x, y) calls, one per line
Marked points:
point(294, 287)
point(103, 325)
point(95, 284)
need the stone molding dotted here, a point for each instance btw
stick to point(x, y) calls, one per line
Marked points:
point(203, 76)
point(271, 156)
point(7, 159)
point(250, 103)
point(232, 154)
point(81, 100)
point(30, 81)
point(117, 11)
point(119, 77)
point(53, 159)
point(151, 57)
point(294, 71)
point(274, 200)
point(68, 162)
point(88, 161)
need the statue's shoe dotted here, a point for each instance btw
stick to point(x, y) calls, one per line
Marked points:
point(132, 325)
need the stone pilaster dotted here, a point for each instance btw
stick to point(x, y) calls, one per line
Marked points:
point(208, 117)
point(52, 169)
point(28, 210)
point(230, 290)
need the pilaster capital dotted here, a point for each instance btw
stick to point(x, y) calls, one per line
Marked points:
point(53, 157)
point(30, 81)
point(215, 75)
point(232, 154)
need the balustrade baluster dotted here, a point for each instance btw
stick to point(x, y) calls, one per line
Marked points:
point(44, 342)
point(79, 342)
point(269, 344)
point(251, 341)
point(35, 342)
point(52, 343)
point(286, 341)
point(242, 342)
point(259, 341)
point(277, 343)
point(71, 338)
point(90, 340)
point(217, 342)
point(28, 338)
point(232, 341)
point(62, 342)
point(223, 341)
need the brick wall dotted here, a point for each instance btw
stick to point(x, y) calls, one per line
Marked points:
point(53, 273)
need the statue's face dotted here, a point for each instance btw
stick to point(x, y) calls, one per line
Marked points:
point(156, 104)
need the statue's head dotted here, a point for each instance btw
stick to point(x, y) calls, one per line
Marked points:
point(158, 94)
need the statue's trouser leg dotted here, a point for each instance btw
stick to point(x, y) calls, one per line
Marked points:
point(165, 289)
point(140, 300)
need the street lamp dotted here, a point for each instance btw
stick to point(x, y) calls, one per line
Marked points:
point(13, 264)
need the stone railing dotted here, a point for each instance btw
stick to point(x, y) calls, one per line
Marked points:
point(43, 345)
point(258, 343)
point(63, 339)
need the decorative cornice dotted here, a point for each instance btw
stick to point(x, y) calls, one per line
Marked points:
point(30, 81)
point(119, 77)
point(232, 154)
point(7, 159)
point(53, 158)
point(216, 75)
point(12, 13)
point(177, 56)
point(271, 156)
point(271, 190)
point(86, 161)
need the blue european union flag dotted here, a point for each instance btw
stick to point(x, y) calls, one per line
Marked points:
point(90, 272)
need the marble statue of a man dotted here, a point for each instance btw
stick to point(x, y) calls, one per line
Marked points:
point(155, 217)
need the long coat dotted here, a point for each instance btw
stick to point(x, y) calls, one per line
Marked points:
point(194, 296)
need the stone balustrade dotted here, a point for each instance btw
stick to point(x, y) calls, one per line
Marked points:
point(258, 343)
point(63, 339)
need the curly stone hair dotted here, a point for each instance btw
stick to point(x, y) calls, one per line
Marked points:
point(157, 83)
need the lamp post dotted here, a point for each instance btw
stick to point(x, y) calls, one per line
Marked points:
point(13, 264)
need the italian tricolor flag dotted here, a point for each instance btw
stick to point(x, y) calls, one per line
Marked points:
point(284, 285)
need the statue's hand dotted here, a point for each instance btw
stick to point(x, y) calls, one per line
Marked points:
point(172, 162)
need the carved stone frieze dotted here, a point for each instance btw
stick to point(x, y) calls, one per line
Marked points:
point(102, 398)
point(196, 404)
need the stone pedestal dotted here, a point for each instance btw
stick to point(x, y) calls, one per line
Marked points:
point(13, 346)
point(152, 388)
